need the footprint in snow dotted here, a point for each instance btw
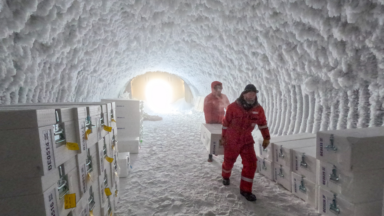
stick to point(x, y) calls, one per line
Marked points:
point(231, 196)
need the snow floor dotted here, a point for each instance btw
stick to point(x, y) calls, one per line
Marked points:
point(171, 176)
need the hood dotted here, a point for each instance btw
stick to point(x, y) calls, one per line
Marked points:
point(215, 83)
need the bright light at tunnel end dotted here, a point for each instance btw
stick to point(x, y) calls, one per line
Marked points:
point(159, 95)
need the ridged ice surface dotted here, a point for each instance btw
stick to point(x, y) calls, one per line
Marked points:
point(318, 64)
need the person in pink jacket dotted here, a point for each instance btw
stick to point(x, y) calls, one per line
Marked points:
point(215, 103)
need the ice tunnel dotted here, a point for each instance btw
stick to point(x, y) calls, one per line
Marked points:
point(318, 65)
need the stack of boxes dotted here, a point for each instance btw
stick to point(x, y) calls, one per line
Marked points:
point(305, 167)
point(351, 173)
point(130, 116)
point(283, 159)
point(339, 173)
point(266, 157)
point(51, 159)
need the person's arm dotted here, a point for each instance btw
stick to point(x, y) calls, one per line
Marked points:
point(207, 110)
point(226, 120)
point(263, 126)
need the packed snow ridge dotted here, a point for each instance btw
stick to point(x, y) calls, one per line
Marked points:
point(318, 64)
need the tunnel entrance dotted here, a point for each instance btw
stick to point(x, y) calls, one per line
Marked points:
point(159, 89)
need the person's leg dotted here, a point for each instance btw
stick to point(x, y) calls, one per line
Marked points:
point(249, 161)
point(231, 152)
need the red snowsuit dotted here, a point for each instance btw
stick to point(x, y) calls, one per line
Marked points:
point(214, 106)
point(238, 125)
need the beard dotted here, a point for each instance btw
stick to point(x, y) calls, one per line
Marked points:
point(250, 102)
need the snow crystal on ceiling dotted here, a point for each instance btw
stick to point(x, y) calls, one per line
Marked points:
point(321, 60)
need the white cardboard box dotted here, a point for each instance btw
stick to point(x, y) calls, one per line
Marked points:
point(352, 149)
point(93, 195)
point(210, 136)
point(14, 187)
point(46, 203)
point(82, 207)
point(130, 110)
point(265, 168)
point(107, 209)
point(357, 187)
point(19, 161)
point(283, 149)
point(114, 169)
point(60, 151)
point(124, 164)
point(130, 145)
point(128, 131)
point(21, 119)
point(102, 196)
point(74, 188)
point(268, 152)
point(87, 164)
point(112, 112)
point(62, 114)
point(79, 111)
point(104, 167)
point(304, 162)
point(39, 204)
point(304, 189)
point(283, 176)
point(331, 204)
point(116, 198)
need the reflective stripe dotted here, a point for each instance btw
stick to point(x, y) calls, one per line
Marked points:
point(255, 112)
point(263, 127)
point(226, 171)
point(224, 128)
point(246, 179)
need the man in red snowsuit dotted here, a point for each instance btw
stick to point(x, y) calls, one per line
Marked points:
point(239, 121)
point(215, 103)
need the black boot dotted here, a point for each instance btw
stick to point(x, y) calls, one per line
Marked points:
point(226, 182)
point(249, 196)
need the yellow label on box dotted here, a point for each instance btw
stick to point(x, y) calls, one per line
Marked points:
point(73, 146)
point(108, 192)
point(70, 201)
point(110, 214)
point(106, 128)
point(91, 213)
point(87, 133)
point(113, 120)
point(109, 159)
point(89, 177)
point(116, 193)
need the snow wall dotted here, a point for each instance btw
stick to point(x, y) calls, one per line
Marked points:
point(318, 64)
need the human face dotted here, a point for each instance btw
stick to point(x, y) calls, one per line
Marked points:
point(250, 97)
point(218, 89)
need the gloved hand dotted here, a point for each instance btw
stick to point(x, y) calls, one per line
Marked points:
point(223, 142)
point(265, 144)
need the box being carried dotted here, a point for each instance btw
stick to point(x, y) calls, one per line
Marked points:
point(210, 136)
